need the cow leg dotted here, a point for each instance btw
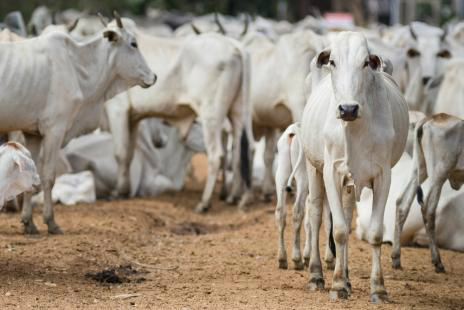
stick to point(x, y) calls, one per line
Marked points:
point(428, 209)
point(349, 203)
point(123, 144)
point(268, 156)
point(340, 231)
point(314, 204)
point(284, 169)
point(33, 144)
point(403, 205)
point(237, 127)
point(51, 147)
point(223, 192)
point(307, 228)
point(329, 257)
point(381, 188)
point(212, 138)
point(298, 213)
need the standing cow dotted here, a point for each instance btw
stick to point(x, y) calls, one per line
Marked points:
point(59, 79)
point(204, 76)
point(438, 155)
point(354, 129)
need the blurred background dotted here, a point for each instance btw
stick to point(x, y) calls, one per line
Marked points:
point(362, 12)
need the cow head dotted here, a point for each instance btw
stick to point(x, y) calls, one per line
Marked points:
point(352, 70)
point(427, 51)
point(130, 65)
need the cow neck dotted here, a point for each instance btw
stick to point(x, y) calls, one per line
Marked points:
point(356, 149)
point(94, 62)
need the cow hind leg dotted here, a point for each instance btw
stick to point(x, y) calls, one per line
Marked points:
point(33, 144)
point(329, 256)
point(223, 192)
point(214, 152)
point(268, 158)
point(428, 209)
point(298, 213)
point(51, 146)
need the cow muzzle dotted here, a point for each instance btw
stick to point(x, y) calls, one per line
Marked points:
point(348, 112)
point(146, 84)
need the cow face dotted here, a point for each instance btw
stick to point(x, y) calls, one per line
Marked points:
point(129, 62)
point(427, 52)
point(351, 68)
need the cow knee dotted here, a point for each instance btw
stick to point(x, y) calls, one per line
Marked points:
point(375, 237)
point(340, 233)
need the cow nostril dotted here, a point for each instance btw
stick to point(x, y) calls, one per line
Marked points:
point(355, 109)
point(425, 80)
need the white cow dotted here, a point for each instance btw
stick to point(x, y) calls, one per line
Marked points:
point(427, 53)
point(278, 88)
point(204, 76)
point(59, 80)
point(438, 155)
point(451, 91)
point(354, 129)
point(288, 149)
point(17, 171)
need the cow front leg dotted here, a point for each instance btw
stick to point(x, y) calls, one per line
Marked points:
point(214, 152)
point(268, 158)
point(340, 231)
point(428, 208)
point(375, 234)
point(33, 144)
point(51, 147)
point(329, 256)
point(314, 204)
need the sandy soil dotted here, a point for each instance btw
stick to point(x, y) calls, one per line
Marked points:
point(222, 260)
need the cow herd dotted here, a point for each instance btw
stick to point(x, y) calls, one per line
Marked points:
point(340, 106)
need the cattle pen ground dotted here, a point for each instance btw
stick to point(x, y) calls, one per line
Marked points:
point(168, 257)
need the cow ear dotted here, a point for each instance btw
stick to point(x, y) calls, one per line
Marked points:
point(323, 58)
point(375, 62)
point(112, 36)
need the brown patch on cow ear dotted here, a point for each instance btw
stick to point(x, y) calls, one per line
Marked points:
point(323, 58)
point(111, 35)
point(375, 62)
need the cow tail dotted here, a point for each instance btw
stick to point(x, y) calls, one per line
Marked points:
point(418, 158)
point(246, 140)
point(298, 161)
point(331, 238)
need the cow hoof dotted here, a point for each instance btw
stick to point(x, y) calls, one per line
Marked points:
point(283, 264)
point(30, 229)
point(338, 294)
point(378, 298)
point(396, 263)
point(298, 265)
point(315, 284)
point(349, 288)
point(306, 262)
point(202, 208)
point(54, 229)
point(439, 268)
point(330, 265)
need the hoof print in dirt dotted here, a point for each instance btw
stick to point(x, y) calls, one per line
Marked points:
point(118, 275)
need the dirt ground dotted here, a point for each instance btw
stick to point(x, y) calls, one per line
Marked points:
point(222, 260)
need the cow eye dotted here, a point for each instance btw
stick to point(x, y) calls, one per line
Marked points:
point(134, 45)
point(444, 54)
point(413, 53)
point(332, 63)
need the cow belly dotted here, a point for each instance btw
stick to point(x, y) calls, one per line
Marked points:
point(279, 117)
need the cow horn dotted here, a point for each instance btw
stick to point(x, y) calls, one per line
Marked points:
point(216, 20)
point(413, 34)
point(118, 19)
point(73, 25)
point(195, 29)
point(102, 19)
point(245, 26)
point(445, 33)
